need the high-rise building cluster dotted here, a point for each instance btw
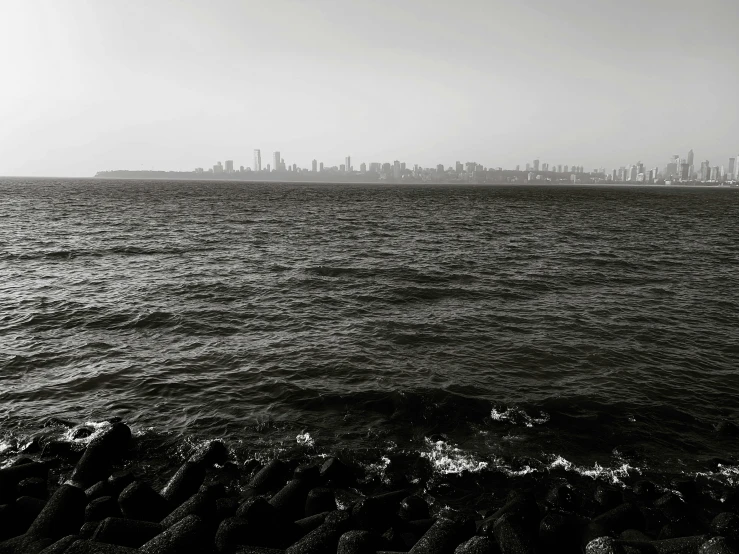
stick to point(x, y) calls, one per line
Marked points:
point(677, 169)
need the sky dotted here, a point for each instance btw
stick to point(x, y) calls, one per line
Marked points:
point(91, 85)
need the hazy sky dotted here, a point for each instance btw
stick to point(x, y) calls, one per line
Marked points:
point(91, 85)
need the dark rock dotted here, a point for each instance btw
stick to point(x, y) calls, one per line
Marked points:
point(31, 447)
point(683, 527)
point(672, 506)
point(215, 452)
point(119, 481)
point(102, 507)
point(62, 515)
point(726, 524)
point(290, 499)
point(25, 511)
point(413, 507)
point(20, 461)
point(324, 539)
point(683, 545)
point(561, 497)
point(139, 501)
point(99, 489)
point(634, 535)
point(718, 545)
point(201, 504)
point(32, 486)
point(618, 519)
point(257, 550)
point(444, 536)
point(558, 533)
point(184, 483)
point(187, 535)
point(92, 547)
point(60, 546)
point(646, 490)
point(99, 455)
point(24, 544)
point(478, 545)
point(61, 449)
point(523, 509)
point(307, 524)
point(357, 542)
point(512, 535)
point(319, 500)
point(269, 477)
point(126, 532)
point(11, 476)
point(337, 473)
point(232, 532)
point(257, 509)
point(309, 474)
point(608, 497)
point(82, 433)
point(602, 545)
point(88, 529)
point(226, 507)
point(686, 486)
point(376, 513)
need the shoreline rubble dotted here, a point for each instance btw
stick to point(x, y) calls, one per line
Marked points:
point(95, 506)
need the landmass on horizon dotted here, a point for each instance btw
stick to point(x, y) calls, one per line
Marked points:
point(677, 170)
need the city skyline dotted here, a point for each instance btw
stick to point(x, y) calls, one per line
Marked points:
point(677, 168)
point(496, 81)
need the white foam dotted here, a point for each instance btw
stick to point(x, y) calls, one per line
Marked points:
point(724, 474)
point(448, 459)
point(304, 439)
point(377, 469)
point(518, 416)
point(613, 475)
point(97, 429)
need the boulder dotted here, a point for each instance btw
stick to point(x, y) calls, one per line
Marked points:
point(139, 501)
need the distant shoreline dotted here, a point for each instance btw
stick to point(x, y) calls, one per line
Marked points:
point(380, 182)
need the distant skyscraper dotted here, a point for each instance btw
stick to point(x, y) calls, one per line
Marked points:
point(348, 164)
point(363, 167)
point(691, 157)
point(257, 159)
point(528, 167)
point(320, 167)
point(314, 166)
point(705, 173)
point(536, 165)
point(276, 161)
point(218, 168)
point(229, 166)
point(396, 169)
point(567, 169)
point(459, 167)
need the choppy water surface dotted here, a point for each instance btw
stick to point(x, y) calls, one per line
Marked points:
point(512, 329)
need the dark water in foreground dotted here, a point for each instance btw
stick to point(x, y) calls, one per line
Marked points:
point(504, 329)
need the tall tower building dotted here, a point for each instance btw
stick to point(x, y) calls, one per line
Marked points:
point(277, 161)
point(536, 165)
point(732, 168)
point(314, 166)
point(348, 164)
point(229, 166)
point(257, 159)
point(691, 156)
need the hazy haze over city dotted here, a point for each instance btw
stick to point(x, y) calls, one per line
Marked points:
point(155, 84)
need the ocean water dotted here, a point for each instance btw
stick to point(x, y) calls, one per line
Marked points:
point(514, 330)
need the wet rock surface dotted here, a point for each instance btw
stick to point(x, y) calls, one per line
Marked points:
point(107, 500)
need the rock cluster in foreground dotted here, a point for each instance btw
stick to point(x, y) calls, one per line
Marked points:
point(311, 509)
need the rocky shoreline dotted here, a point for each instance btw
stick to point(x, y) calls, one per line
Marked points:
point(106, 500)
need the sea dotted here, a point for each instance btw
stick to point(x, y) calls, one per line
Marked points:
point(468, 331)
